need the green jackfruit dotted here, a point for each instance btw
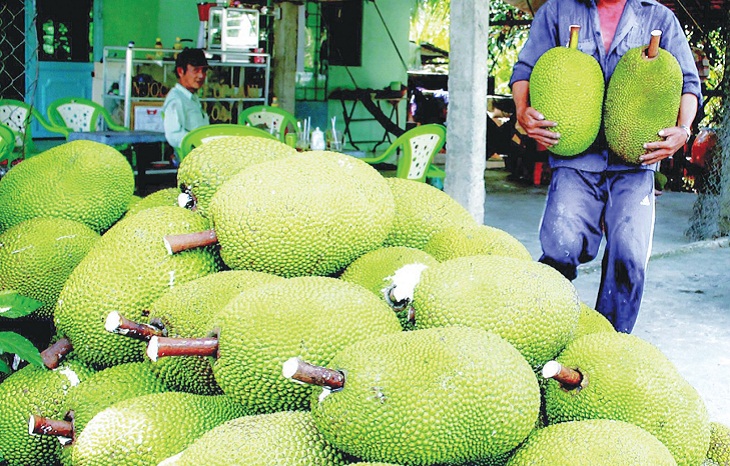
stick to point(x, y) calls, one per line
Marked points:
point(163, 197)
point(567, 86)
point(628, 379)
point(147, 429)
point(642, 98)
point(452, 242)
point(598, 442)
point(187, 311)
point(85, 181)
point(429, 397)
point(286, 438)
point(39, 254)
point(719, 451)
point(528, 303)
point(125, 271)
point(210, 165)
point(591, 321)
point(308, 214)
point(38, 391)
point(420, 211)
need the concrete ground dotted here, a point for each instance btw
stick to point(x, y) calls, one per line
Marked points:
point(686, 307)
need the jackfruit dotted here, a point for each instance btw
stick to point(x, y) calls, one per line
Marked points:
point(528, 303)
point(625, 378)
point(187, 311)
point(591, 321)
point(567, 86)
point(309, 214)
point(85, 181)
point(147, 429)
point(210, 165)
point(442, 395)
point(420, 211)
point(719, 451)
point(287, 438)
point(452, 242)
point(642, 98)
point(38, 255)
point(38, 391)
point(125, 271)
point(598, 442)
point(162, 197)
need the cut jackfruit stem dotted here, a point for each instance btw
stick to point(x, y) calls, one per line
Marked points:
point(653, 49)
point(301, 371)
point(177, 243)
point(39, 425)
point(117, 323)
point(568, 378)
point(574, 30)
point(53, 354)
point(160, 347)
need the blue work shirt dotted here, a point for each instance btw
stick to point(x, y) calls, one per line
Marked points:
point(551, 28)
point(182, 113)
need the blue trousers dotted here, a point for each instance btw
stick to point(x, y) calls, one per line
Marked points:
point(583, 206)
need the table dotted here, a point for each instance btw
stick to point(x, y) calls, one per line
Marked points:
point(144, 145)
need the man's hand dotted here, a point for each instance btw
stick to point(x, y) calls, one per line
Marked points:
point(536, 126)
point(674, 138)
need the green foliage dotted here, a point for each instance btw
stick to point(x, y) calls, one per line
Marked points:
point(13, 306)
point(13, 343)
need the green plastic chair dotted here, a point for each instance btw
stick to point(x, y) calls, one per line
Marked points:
point(206, 133)
point(273, 119)
point(419, 146)
point(7, 145)
point(18, 115)
point(81, 115)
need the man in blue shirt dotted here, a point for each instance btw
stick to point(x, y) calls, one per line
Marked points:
point(594, 193)
point(182, 109)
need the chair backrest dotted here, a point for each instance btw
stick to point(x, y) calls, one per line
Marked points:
point(80, 115)
point(18, 115)
point(419, 145)
point(273, 119)
point(206, 133)
point(7, 142)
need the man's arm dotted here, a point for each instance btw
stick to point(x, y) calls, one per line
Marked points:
point(173, 123)
point(674, 137)
point(532, 121)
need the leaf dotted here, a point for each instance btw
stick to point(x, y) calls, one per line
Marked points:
point(13, 305)
point(11, 342)
point(5, 369)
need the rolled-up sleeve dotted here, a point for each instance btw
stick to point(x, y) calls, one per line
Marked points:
point(542, 38)
point(675, 42)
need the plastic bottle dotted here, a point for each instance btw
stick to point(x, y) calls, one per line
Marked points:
point(317, 142)
point(158, 45)
point(177, 46)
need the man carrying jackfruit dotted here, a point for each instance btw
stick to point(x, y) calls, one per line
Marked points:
point(594, 192)
point(182, 110)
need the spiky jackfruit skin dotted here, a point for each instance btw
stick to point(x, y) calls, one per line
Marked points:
point(307, 317)
point(567, 86)
point(127, 269)
point(210, 165)
point(452, 242)
point(629, 379)
point(286, 438)
point(642, 98)
point(85, 181)
point(420, 211)
point(188, 311)
point(598, 442)
point(435, 396)
point(147, 429)
point(106, 387)
point(308, 214)
point(38, 391)
point(719, 451)
point(529, 304)
point(591, 321)
point(163, 197)
point(39, 254)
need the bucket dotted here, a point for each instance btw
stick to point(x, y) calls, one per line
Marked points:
point(204, 10)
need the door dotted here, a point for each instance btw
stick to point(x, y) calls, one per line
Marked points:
point(66, 44)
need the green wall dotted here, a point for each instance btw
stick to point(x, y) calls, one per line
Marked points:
point(142, 21)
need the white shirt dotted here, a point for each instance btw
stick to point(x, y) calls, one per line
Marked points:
point(182, 113)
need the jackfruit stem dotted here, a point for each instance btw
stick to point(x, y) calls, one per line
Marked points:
point(574, 30)
point(177, 243)
point(53, 354)
point(117, 323)
point(653, 49)
point(39, 425)
point(160, 347)
point(568, 378)
point(301, 371)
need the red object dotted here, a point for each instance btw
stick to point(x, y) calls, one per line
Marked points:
point(702, 147)
point(204, 10)
point(537, 174)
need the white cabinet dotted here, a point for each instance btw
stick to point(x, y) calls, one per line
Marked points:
point(136, 80)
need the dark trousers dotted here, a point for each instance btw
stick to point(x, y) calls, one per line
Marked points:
point(581, 208)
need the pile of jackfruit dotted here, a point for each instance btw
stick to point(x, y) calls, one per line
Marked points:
point(285, 308)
